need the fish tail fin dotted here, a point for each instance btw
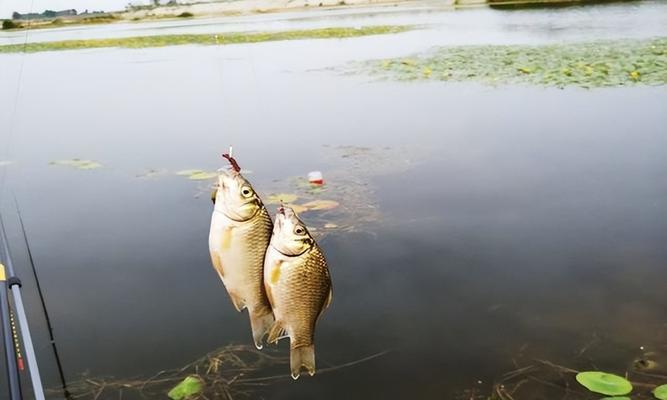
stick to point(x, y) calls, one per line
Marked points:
point(276, 332)
point(302, 357)
point(260, 325)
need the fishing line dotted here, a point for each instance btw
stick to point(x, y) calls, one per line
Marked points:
point(43, 302)
point(12, 121)
point(13, 282)
point(319, 371)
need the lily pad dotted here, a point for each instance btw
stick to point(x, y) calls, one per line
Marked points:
point(660, 392)
point(197, 174)
point(203, 175)
point(321, 205)
point(616, 398)
point(78, 163)
point(604, 383)
point(297, 208)
point(281, 197)
point(188, 387)
point(189, 172)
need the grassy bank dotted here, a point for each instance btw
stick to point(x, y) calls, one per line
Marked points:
point(202, 39)
point(593, 64)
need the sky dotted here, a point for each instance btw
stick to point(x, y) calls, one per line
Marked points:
point(23, 6)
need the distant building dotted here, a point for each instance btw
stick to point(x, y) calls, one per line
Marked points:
point(66, 13)
point(45, 15)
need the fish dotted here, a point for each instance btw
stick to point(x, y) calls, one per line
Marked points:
point(240, 232)
point(298, 285)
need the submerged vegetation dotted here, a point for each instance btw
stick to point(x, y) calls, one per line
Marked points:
point(225, 373)
point(593, 64)
point(203, 39)
point(230, 372)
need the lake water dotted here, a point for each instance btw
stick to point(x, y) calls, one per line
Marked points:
point(512, 222)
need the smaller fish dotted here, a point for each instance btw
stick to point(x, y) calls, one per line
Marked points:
point(298, 285)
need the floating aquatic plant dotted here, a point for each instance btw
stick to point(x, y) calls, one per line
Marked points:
point(281, 198)
point(190, 386)
point(604, 383)
point(320, 205)
point(200, 176)
point(592, 64)
point(297, 208)
point(660, 392)
point(78, 163)
point(151, 173)
point(197, 174)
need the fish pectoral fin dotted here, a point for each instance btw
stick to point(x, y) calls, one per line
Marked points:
point(226, 240)
point(260, 324)
point(238, 302)
point(269, 294)
point(302, 357)
point(217, 264)
point(327, 302)
point(329, 299)
point(277, 332)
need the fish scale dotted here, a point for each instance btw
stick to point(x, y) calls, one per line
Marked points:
point(253, 240)
point(302, 292)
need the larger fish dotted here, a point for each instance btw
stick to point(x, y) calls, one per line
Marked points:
point(298, 285)
point(240, 233)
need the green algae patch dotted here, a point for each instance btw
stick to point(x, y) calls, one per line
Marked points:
point(590, 64)
point(203, 39)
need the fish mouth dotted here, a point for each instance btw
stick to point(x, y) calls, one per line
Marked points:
point(226, 173)
point(282, 214)
point(280, 218)
point(285, 212)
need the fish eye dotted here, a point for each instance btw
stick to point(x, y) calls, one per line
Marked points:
point(246, 191)
point(300, 230)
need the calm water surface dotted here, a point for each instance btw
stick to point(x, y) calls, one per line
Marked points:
point(528, 222)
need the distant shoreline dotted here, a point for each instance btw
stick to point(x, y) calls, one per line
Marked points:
point(254, 7)
point(197, 10)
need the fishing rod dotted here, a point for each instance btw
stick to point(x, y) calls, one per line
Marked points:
point(52, 338)
point(8, 339)
point(13, 283)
